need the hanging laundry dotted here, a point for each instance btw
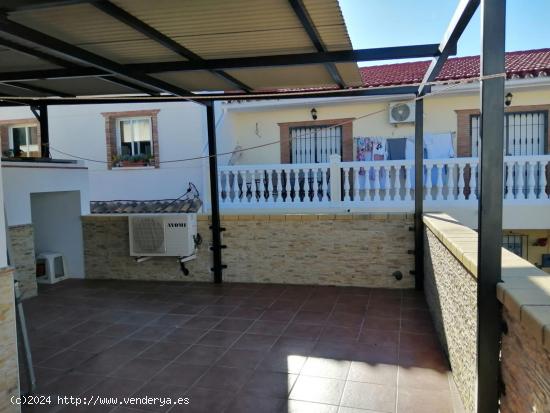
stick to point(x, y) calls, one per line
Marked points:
point(396, 148)
point(439, 145)
point(363, 151)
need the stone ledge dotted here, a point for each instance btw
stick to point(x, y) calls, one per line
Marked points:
point(383, 217)
point(524, 290)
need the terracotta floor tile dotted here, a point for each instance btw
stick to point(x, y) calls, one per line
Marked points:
point(369, 396)
point(164, 351)
point(245, 403)
point(420, 401)
point(218, 310)
point(246, 312)
point(379, 337)
point(202, 400)
point(139, 369)
point(282, 362)
point(200, 322)
point(184, 335)
point(376, 373)
point(219, 338)
point(233, 324)
point(298, 330)
point(94, 344)
point(421, 378)
point(318, 389)
point(225, 378)
point(324, 367)
point(278, 315)
point(178, 374)
point(67, 360)
point(381, 323)
point(200, 355)
point(255, 342)
point(297, 406)
point(271, 328)
point(311, 317)
point(271, 384)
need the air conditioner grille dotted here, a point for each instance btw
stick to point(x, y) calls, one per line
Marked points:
point(148, 236)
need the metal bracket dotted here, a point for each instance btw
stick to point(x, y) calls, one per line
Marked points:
point(142, 259)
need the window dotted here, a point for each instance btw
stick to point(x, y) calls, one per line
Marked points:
point(134, 136)
point(24, 141)
point(524, 133)
point(315, 144)
point(514, 243)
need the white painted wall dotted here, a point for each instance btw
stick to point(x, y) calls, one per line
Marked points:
point(20, 180)
point(58, 228)
point(80, 130)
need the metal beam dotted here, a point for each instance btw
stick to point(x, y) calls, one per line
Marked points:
point(387, 91)
point(360, 55)
point(419, 194)
point(215, 225)
point(462, 16)
point(493, 23)
point(130, 20)
point(131, 85)
point(70, 51)
point(39, 89)
point(306, 22)
point(21, 5)
point(67, 64)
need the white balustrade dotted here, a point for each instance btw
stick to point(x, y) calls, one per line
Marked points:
point(346, 184)
point(374, 184)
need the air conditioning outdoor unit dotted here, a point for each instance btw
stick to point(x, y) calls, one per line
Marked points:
point(162, 235)
point(401, 112)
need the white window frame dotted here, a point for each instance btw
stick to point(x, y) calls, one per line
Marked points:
point(119, 136)
point(26, 126)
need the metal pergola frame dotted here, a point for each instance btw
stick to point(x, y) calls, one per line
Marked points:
point(76, 62)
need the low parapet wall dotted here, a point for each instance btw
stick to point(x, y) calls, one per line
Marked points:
point(349, 250)
point(451, 291)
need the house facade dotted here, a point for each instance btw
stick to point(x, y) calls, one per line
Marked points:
point(293, 137)
point(129, 150)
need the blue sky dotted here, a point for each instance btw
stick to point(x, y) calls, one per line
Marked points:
point(381, 23)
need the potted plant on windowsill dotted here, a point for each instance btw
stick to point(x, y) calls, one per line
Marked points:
point(128, 161)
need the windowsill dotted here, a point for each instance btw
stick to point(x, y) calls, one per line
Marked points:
point(131, 168)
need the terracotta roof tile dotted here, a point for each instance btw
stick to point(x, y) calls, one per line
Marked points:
point(145, 207)
point(520, 64)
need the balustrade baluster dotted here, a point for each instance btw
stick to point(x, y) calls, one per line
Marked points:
point(460, 185)
point(531, 180)
point(520, 180)
point(346, 184)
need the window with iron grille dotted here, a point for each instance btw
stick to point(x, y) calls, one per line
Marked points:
point(514, 243)
point(525, 133)
point(315, 144)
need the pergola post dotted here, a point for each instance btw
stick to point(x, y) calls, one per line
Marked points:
point(419, 194)
point(215, 224)
point(493, 22)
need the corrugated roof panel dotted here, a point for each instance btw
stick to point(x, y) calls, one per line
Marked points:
point(11, 61)
point(199, 80)
point(7, 90)
point(284, 77)
point(88, 86)
point(209, 28)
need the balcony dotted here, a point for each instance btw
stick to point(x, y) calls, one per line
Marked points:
point(378, 186)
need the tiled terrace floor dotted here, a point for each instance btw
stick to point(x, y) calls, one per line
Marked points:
point(239, 347)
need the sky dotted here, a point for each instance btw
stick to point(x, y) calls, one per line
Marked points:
point(383, 23)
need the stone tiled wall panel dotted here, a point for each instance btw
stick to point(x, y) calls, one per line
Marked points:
point(9, 373)
point(451, 293)
point(22, 242)
point(525, 370)
point(294, 249)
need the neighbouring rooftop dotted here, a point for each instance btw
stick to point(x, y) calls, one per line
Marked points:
point(519, 64)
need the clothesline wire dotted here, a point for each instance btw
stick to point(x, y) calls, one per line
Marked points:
point(305, 134)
